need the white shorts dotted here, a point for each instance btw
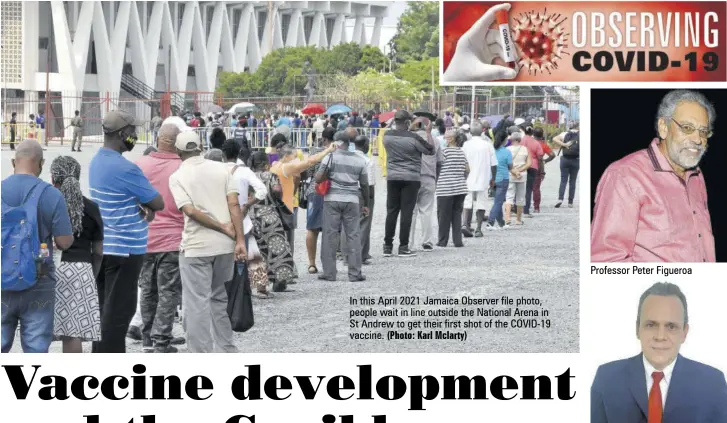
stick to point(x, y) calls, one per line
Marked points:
point(480, 201)
point(515, 193)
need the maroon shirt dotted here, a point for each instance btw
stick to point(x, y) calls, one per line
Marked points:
point(645, 212)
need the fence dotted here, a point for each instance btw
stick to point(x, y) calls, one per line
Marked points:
point(59, 108)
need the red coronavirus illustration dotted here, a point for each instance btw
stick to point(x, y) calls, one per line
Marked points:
point(541, 40)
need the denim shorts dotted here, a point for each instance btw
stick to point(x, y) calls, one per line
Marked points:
point(31, 310)
point(314, 213)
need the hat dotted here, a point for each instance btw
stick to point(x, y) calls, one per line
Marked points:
point(188, 141)
point(519, 121)
point(466, 127)
point(118, 119)
point(178, 122)
point(402, 115)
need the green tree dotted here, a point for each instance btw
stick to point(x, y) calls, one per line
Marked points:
point(417, 35)
point(419, 73)
point(231, 84)
point(372, 58)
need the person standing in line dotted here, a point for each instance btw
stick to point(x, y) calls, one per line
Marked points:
point(128, 203)
point(426, 197)
point(502, 181)
point(536, 157)
point(212, 241)
point(40, 121)
point(452, 189)
point(483, 168)
point(251, 191)
point(31, 309)
point(363, 146)
point(570, 163)
point(314, 212)
point(160, 283)
point(13, 129)
point(539, 136)
point(341, 208)
point(77, 316)
point(521, 161)
point(156, 124)
point(32, 128)
point(404, 150)
point(77, 124)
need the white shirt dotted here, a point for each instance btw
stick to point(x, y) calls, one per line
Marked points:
point(481, 157)
point(664, 384)
point(244, 177)
point(370, 168)
point(319, 126)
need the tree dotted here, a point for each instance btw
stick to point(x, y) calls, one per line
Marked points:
point(417, 34)
point(419, 73)
point(233, 84)
point(369, 87)
point(372, 58)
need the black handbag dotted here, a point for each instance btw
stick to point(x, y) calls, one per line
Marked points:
point(286, 215)
point(239, 300)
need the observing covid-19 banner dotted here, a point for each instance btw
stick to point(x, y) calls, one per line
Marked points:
point(583, 41)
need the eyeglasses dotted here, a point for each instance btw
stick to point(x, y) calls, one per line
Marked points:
point(688, 129)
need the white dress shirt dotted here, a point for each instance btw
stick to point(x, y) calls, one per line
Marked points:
point(664, 384)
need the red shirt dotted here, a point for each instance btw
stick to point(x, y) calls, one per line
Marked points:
point(546, 148)
point(535, 150)
point(165, 231)
point(645, 212)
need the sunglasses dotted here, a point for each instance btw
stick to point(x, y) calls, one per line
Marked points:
point(688, 129)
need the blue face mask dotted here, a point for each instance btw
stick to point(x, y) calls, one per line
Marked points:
point(351, 148)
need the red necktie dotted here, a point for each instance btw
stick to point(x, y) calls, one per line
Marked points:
point(655, 407)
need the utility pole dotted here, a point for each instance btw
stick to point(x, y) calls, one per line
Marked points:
point(512, 104)
point(47, 90)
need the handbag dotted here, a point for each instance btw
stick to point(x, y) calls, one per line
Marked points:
point(286, 216)
point(239, 300)
point(323, 187)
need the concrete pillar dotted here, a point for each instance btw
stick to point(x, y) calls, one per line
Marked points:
point(376, 34)
point(31, 17)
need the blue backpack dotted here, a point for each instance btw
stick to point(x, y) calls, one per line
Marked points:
point(21, 241)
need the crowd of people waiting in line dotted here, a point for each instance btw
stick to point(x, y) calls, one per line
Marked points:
point(168, 229)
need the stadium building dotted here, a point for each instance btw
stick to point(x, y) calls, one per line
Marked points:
point(143, 48)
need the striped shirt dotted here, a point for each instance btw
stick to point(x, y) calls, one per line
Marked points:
point(118, 186)
point(347, 173)
point(451, 177)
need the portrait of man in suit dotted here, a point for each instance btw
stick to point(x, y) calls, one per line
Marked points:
point(659, 385)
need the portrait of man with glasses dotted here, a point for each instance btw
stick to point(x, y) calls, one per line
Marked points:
point(651, 206)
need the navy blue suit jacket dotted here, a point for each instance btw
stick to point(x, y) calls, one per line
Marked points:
point(697, 393)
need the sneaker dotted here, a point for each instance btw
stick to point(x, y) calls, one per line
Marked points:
point(428, 246)
point(134, 332)
point(147, 344)
point(178, 340)
point(491, 227)
point(528, 215)
point(558, 204)
point(507, 226)
point(466, 232)
point(570, 206)
point(388, 250)
point(404, 251)
point(479, 234)
point(165, 349)
point(366, 261)
point(359, 278)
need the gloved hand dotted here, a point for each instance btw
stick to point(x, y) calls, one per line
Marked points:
point(479, 52)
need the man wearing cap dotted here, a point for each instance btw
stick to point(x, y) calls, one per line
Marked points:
point(404, 151)
point(160, 284)
point(127, 202)
point(212, 240)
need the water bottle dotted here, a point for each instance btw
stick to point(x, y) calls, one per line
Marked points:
point(41, 263)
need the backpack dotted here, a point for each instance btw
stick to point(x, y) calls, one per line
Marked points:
point(21, 241)
point(574, 151)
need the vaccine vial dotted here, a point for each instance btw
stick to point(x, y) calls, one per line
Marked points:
point(503, 27)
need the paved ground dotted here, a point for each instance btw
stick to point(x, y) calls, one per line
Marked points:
point(538, 260)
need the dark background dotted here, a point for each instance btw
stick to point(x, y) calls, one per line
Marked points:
point(623, 121)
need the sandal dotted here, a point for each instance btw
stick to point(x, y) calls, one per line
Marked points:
point(312, 269)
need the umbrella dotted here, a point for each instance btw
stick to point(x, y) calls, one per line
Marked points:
point(313, 109)
point(211, 108)
point(425, 114)
point(386, 116)
point(338, 109)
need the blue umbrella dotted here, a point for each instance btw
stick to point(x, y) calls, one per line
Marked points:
point(338, 109)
